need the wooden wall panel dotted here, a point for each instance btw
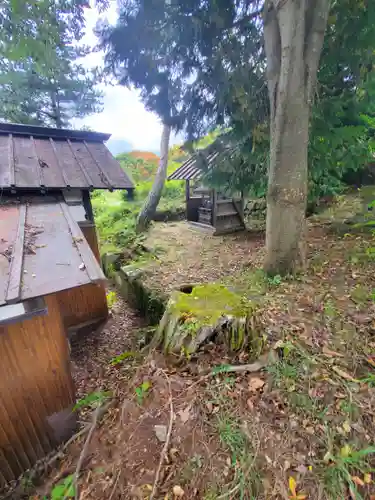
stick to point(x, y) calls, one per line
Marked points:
point(84, 304)
point(192, 206)
point(89, 232)
point(36, 390)
point(88, 303)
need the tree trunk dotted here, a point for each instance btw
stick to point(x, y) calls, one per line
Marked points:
point(149, 208)
point(294, 34)
point(56, 112)
point(209, 312)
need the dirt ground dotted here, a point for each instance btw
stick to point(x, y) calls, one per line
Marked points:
point(301, 427)
point(180, 254)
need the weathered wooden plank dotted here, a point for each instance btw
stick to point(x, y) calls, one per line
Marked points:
point(88, 258)
point(5, 177)
point(39, 168)
point(37, 161)
point(13, 292)
point(59, 165)
point(25, 163)
point(50, 172)
point(36, 393)
point(12, 180)
point(73, 173)
point(95, 150)
point(89, 181)
point(238, 205)
point(52, 262)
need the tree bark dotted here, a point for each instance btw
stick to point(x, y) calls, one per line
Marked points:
point(182, 333)
point(294, 34)
point(56, 110)
point(149, 208)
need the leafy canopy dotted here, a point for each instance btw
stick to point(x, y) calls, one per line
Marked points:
point(41, 79)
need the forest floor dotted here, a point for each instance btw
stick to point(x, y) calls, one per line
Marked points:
point(302, 427)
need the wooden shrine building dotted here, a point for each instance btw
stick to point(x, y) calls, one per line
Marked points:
point(206, 207)
point(50, 280)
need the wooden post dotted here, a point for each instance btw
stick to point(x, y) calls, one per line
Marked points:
point(214, 208)
point(187, 198)
point(87, 205)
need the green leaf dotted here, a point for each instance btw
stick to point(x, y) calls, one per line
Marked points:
point(64, 489)
point(220, 369)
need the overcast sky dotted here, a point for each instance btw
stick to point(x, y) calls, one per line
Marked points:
point(124, 116)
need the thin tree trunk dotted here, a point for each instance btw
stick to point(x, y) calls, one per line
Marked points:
point(56, 112)
point(294, 33)
point(149, 208)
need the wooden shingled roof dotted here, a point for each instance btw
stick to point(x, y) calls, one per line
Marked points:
point(42, 250)
point(43, 158)
point(189, 169)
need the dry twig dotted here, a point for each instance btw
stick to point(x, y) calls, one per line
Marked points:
point(168, 438)
point(115, 485)
point(84, 450)
point(98, 413)
point(250, 368)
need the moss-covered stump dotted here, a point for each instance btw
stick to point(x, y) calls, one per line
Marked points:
point(210, 311)
point(150, 304)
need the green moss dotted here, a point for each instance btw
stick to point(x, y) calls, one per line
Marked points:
point(150, 304)
point(208, 303)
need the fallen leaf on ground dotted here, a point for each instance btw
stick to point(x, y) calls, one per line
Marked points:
point(358, 481)
point(330, 353)
point(255, 383)
point(367, 478)
point(343, 374)
point(302, 469)
point(346, 427)
point(178, 491)
point(250, 404)
point(184, 414)
point(345, 451)
point(161, 432)
point(293, 490)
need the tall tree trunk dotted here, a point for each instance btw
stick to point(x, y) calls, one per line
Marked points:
point(149, 208)
point(294, 34)
point(56, 112)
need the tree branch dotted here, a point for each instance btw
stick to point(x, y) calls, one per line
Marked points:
point(316, 22)
point(273, 52)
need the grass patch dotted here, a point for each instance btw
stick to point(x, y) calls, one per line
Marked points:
point(115, 214)
point(348, 471)
point(246, 480)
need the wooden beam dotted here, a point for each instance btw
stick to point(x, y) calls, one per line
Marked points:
point(81, 166)
point(187, 190)
point(38, 166)
point(12, 181)
point(102, 173)
point(88, 258)
point(61, 169)
point(214, 207)
point(13, 292)
point(239, 209)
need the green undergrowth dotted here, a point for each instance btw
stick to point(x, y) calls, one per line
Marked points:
point(115, 214)
point(242, 474)
point(349, 208)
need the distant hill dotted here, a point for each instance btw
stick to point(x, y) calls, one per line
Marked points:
point(117, 146)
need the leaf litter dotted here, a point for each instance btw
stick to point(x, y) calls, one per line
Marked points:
point(302, 427)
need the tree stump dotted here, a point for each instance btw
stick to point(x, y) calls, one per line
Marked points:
point(209, 312)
